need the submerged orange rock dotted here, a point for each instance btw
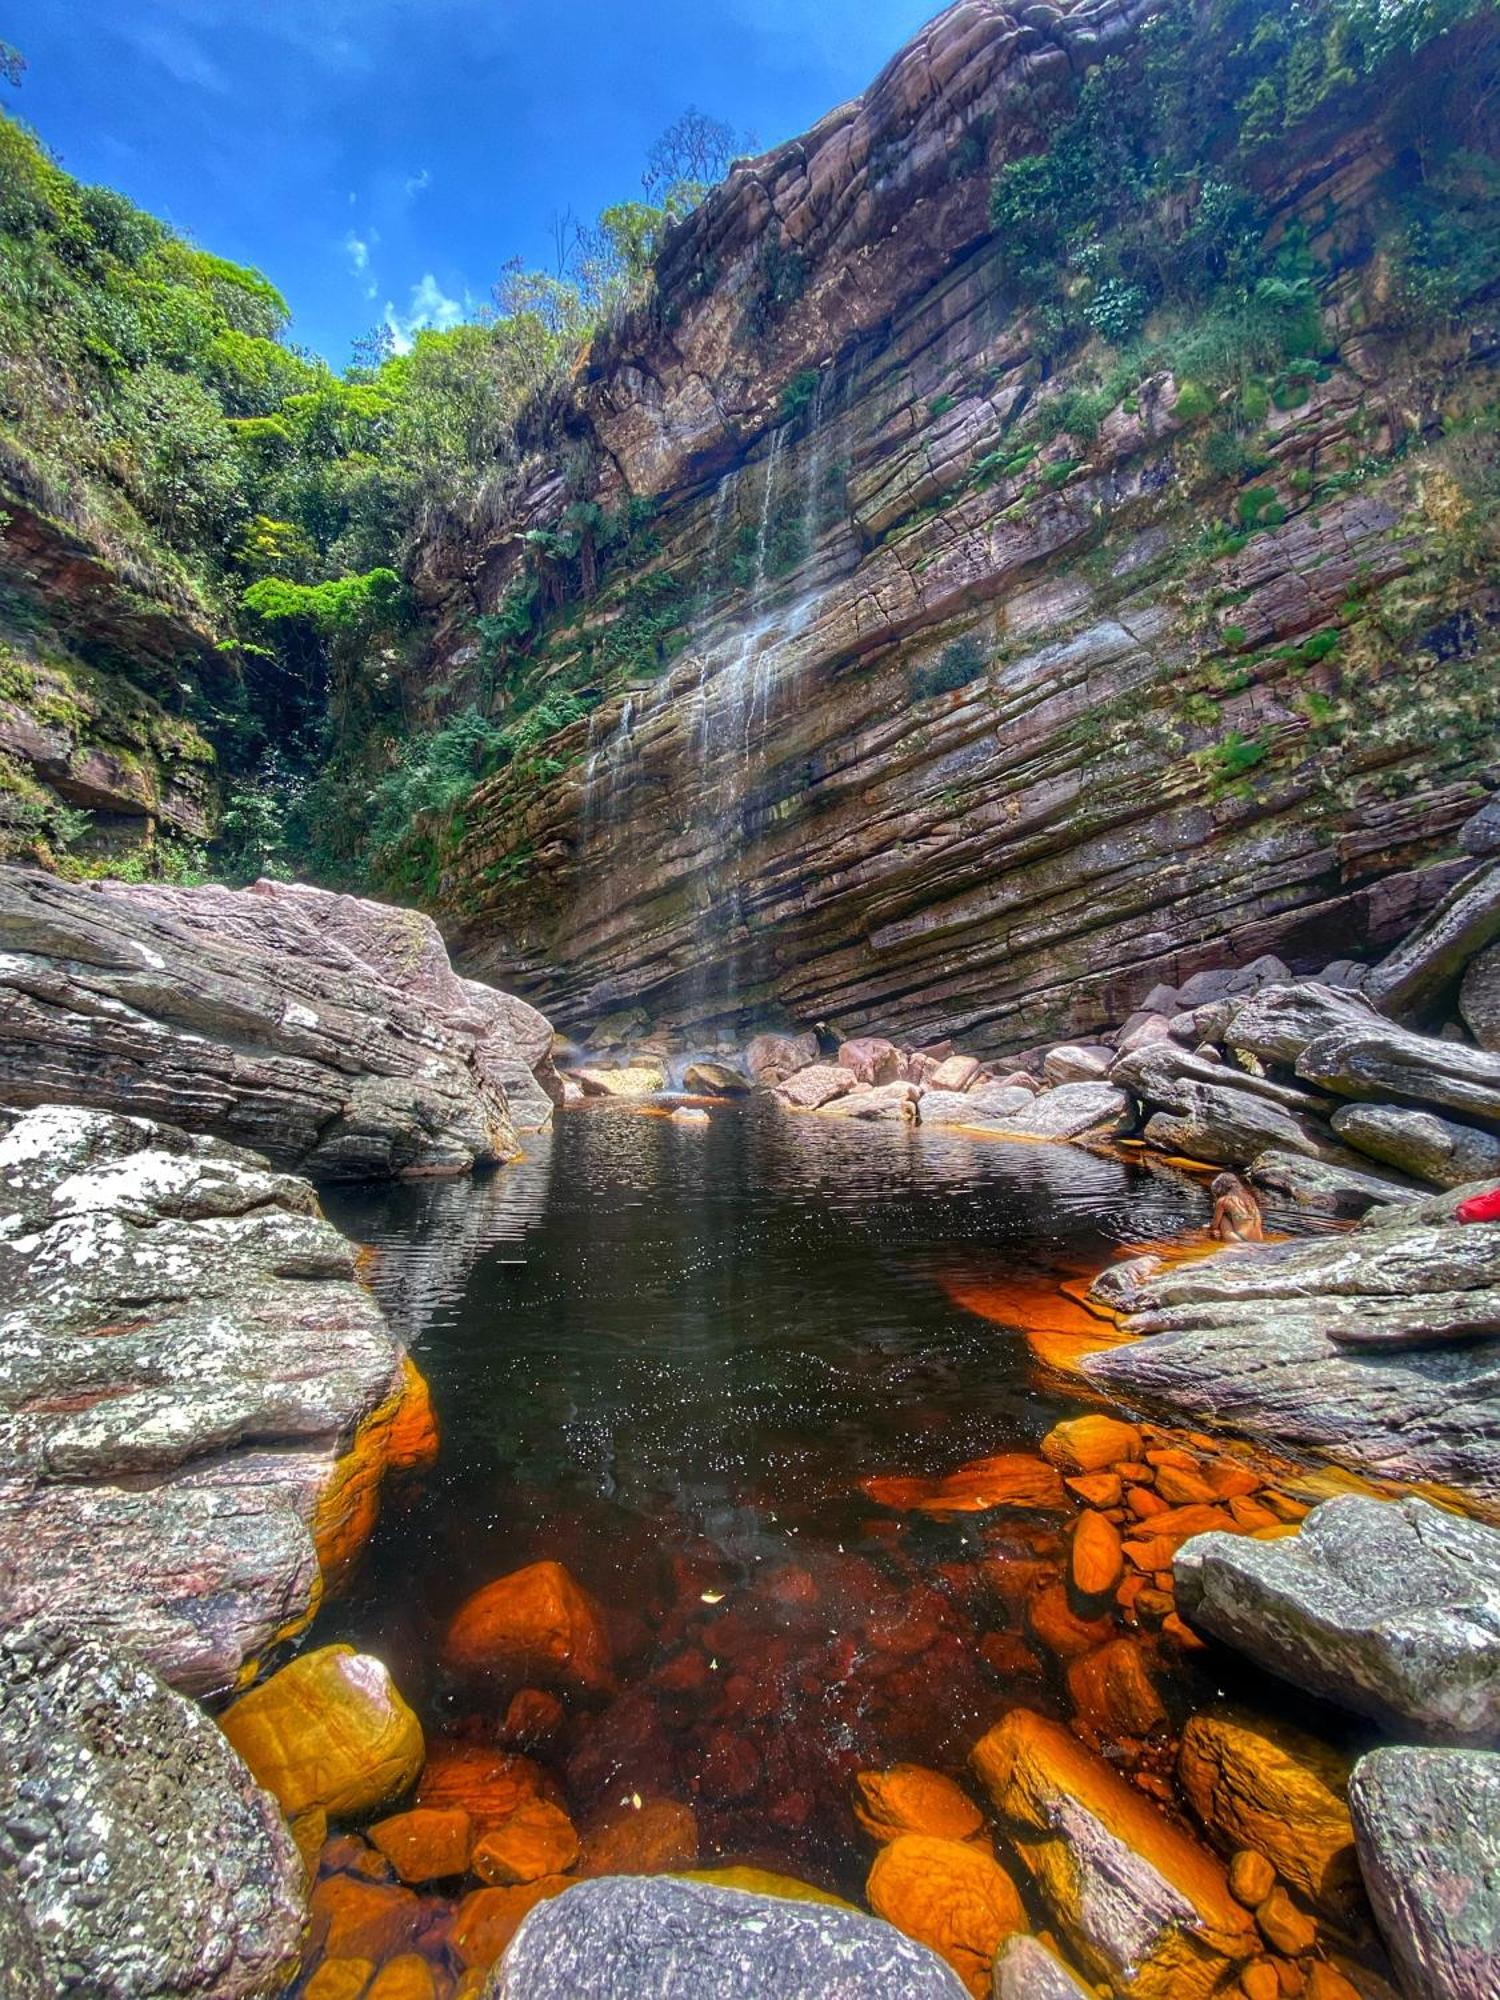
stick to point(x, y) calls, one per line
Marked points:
point(427, 1843)
point(1271, 1788)
point(328, 1732)
point(536, 1624)
point(538, 1839)
point(1112, 1690)
point(408, 1977)
point(1096, 1561)
point(1090, 1443)
point(1007, 1479)
point(908, 1798)
point(489, 1785)
point(355, 1919)
point(650, 1839)
point(488, 1919)
point(950, 1896)
point(399, 1434)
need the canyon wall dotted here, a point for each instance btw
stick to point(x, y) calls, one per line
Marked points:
point(956, 687)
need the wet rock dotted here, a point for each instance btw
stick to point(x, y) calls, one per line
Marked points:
point(711, 1079)
point(1113, 1693)
point(1007, 1479)
point(991, 1104)
point(950, 1896)
point(629, 1080)
point(1140, 1905)
point(1414, 979)
point(409, 1977)
point(1278, 1792)
point(618, 1939)
point(1428, 1824)
point(771, 1059)
point(1284, 1927)
point(811, 1088)
point(212, 1433)
point(647, 1839)
point(353, 1918)
point(149, 1861)
point(1391, 1608)
point(763, 1882)
point(1073, 1111)
point(489, 1785)
point(1096, 1560)
point(535, 1625)
point(1344, 1192)
point(1072, 1062)
point(872, 1060)
point(908, 1798)
point(1420, 1143)
point(427, 1843)
point(329, 1733)
point(487, 1920)
point(539, 1839)
point(1229, 1127)
point(1026, 1970)
point(1086, 1444)
point(880, 1101)
point(1247, 1336)
point(276, 1017)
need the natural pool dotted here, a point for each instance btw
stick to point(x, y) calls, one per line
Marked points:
point(668, 1358)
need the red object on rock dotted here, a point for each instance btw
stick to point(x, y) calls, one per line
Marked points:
point(1480, 1207)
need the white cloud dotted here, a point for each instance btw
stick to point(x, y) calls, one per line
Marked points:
point(181, 57)
point(417, 183)
point(431, 310)
point(359, 252)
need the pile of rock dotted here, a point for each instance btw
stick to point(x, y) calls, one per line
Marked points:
point(329, 1033)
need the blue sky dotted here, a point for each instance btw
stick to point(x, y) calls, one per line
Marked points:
point(377, 156)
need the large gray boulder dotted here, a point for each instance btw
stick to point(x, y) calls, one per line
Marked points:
point(991, 1105)
point(1421, 1143)
point(1294, 1180)
point(328, 1033)
point(625, 1937)
point(1276, 1024)
point(1383, 1061)
point(185, 1352)
point(1256, 1340)
point(1421, 973)
point(1427, 1824)
point(146, 1860)
point(1391, 1608)
point(1073, 1111)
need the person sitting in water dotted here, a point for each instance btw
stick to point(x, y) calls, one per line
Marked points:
point(1236, 1212)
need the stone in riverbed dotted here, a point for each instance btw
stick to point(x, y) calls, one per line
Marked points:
point(949, 1895)
point(811, 1088)
point(871, 1060)
point(1229, 1127)
point(281, 1018)
point(1421, 1143)
point(1428, 1825)
point(151, 1863)
point(623, 1937)
point(958, 1073)
point(1391, 1608)
point(1345, 1192)
point(991, 1104)
point(1086, 1444)
point(534, 1626)
point(329, 1732)
point(1005, 1479)
point(1278, 1792)
point(1075, 1062)
point(712, 1079)
point(1141, 1906)
point(771, 1059)
point(880, 1101)
point(1074, 1111)
point(1026, 1970)
point(1382, 1061)
point(539, 1839)
point(427, 1843)
point(203, 1437)
point(908, 1798)
point(630, 1080)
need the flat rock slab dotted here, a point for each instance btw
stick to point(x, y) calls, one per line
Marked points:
point(1437, 1150)
point(1427, 1823)
point(146, 1861)
point(328, 1033)
point(1073, 1111)
point(185, 1352)
point(1391, 1608)
point(623, 1937)
point(1345, 1192)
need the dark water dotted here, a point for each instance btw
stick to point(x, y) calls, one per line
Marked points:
point(665, 1357)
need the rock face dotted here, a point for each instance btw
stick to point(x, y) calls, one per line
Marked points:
point(1428, 1823)
point(943, 717)
point(151, 1866)
point(1418, 1142)
point(623, 1937)
point(167, 1485)
point(1259, 1340)
point(1388, 1607)
point(329, 1034)
point(1425, 968)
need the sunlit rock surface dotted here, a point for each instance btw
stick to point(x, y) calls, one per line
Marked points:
point(186, 1359)
point(328, 1033)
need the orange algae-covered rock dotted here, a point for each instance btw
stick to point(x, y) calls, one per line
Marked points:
point(908, 1798)
point(533, 1716)
point(653, 1838)
point(764, 1882)
point(1096, 1561)
point(427, 1843)
point(537, 1840)
point(488, 1919)
point(1089, 1444)
point(1141, 1905)
point(395, 1435)
point(489, 1785)
point(1283, 1926)
point(1258, 1981)
point(413, 1442)
point(536, 1624)
point(1008, 1479)
point(1251, 1877)
point(408, 1977)
point(1053, 1621)
point(339, 1979)
point(1097, 1489)
point(329, 1731)
point(949, 1896)
point(1112, 1690)
point(1272, 1788)
point(356, 1919)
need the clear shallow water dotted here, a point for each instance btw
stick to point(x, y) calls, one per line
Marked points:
point(666, 1357)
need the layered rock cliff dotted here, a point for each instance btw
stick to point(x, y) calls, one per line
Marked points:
point(952, 679)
